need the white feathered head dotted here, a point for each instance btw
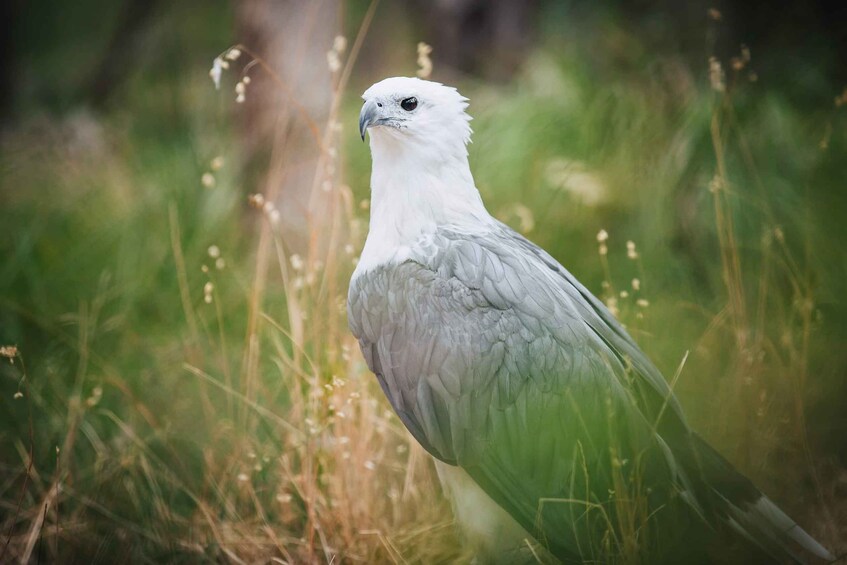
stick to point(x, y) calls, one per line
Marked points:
point(411, 110)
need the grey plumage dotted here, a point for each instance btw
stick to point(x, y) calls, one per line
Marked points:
point(499, 361)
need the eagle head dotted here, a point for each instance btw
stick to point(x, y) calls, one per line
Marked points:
point(404, 110)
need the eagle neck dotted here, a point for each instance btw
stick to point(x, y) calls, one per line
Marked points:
point(417, 188)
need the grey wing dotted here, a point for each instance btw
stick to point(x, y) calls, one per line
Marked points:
point(420, 335)
point(498, 360)
point(653, 389)
point(490, 365)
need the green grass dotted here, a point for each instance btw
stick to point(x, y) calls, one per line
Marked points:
point(181, 439)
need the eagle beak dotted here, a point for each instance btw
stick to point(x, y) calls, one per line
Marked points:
point(368, 116)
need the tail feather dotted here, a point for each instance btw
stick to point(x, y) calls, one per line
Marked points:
point(751, 513)
point(788, 528)
point(764, 524)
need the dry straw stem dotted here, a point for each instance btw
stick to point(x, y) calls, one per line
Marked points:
point(321, 479)
point(730, 260)
point(290, 96)
point(12, 353)
point(777, 263)
point(268, 237)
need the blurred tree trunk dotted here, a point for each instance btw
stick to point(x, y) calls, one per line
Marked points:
point(123, 48)
point(279, 123)
point(8, 14)
point(487, 37)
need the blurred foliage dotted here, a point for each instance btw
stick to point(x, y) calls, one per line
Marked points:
point(598, 131)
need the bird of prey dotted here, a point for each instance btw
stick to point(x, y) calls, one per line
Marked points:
point(553, 434)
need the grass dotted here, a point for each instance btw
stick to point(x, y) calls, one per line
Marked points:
point(163, 406)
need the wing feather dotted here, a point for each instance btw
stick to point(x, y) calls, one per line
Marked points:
point(480, 361)
point(498, 360)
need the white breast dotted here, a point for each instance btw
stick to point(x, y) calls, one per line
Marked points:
point(493, 533)
point(415, 190)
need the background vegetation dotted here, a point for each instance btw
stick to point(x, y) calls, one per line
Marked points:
point(178, 381)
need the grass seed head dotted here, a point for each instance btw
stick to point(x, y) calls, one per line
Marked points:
point(424, 60)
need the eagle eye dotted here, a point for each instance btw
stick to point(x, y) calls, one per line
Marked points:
point(409, 104)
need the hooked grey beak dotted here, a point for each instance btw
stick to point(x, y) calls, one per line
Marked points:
point(369, 116)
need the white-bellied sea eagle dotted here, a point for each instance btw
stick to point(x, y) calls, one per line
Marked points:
point(553, 434)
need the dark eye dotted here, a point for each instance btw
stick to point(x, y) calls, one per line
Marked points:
point(409, 104)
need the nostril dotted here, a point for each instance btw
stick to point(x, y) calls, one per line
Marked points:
point(379, 104)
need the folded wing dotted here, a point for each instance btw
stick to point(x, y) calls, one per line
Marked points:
point(497, 360)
